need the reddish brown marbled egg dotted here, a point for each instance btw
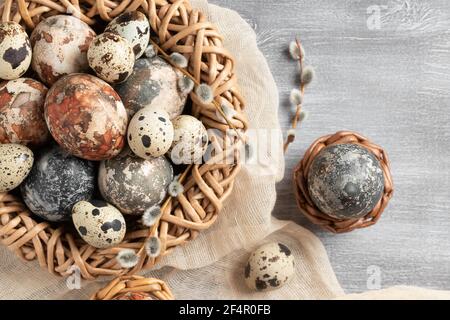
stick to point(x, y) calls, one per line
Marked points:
point(60, 44)
point(22, 112)
point(86, 117)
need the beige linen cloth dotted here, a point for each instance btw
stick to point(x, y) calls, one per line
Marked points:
point(211, 267)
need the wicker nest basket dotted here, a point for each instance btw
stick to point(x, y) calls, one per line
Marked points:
point(310, 210)
point(156, 289)
point(176, 27)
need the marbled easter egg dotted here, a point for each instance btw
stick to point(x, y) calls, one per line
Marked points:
point(190, 140)
point(60, 44)
point(345, 181)
point(15, 50)
point(16, 162)
point(154, 82)
point(98, 223)
point(133, 184)
point(134, 27)
point(22, 112)
point(86, 117)
point(150, 133)
point(56, 182)
point(269, 267)
point(111, 57)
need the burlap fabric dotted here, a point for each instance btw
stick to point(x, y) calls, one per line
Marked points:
point(211, 266)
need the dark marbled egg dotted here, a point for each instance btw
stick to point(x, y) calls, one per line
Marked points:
point(154, 82)
point(133, 184)
point(56, 182)
point(86, 117)
point(345, 181)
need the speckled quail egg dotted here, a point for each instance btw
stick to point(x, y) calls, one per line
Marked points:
point(269, 267)
point(150, 133)
point(154, 82)
point(60, 44)
point(22, 112)
point(56, 182)
point(16, 162)
point(133, 184)
point(111, 57)
point(134, 27)
point(190, 140)
point(99, 224)
point(15, 50)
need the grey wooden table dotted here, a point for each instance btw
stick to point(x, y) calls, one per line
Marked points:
point(383, 69)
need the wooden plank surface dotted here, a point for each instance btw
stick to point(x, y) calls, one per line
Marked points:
point(383, 69)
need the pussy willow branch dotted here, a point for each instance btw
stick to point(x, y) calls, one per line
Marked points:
point(295, 120)
point(197, 83)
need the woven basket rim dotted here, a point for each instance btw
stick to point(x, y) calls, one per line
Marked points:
point(125, 284)
point(178, 28)
point(307, 206)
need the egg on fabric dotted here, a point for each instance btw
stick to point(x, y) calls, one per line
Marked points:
point(150, 133)
point(86, 117)
point(60, 44)
point(22, 112)
point(16, 162)
point(345, 181)
point(269, 267)
point(190, 140)
point(153, 83)
point(134, 27)
point(134, 295)
point(15, 51)
point(56, 182)
point(111, 57)
point(98, 223)
point(133, 184)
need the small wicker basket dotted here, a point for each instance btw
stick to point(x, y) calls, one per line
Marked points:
point(310, 210)
point(176, 27)
point(156, 289)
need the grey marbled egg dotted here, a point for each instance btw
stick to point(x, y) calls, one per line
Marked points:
point(98, 223)
point(56, 182)
point(269, 267)
point(150, 133)
point(134, 27)
point(16, 162)
point(154, 82)
point(190, 140)
point(345, 181)
point(133, 184)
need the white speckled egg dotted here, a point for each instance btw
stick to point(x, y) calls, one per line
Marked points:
point(99, 224)
point(111, 57)
point(134, 27)
point(16, 162)
point(15, 51)
point(60, 45)
point(269, 267)
point(150, 133)
point(190, 140)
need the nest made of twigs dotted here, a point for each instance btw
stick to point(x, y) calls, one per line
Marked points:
point(156, 289)
point(176, 27)
point(307, 206)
